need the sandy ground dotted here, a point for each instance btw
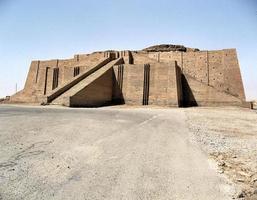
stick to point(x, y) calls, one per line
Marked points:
point(117, 153)
point(229, 136)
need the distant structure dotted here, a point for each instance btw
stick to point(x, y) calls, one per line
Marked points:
point(163, 75)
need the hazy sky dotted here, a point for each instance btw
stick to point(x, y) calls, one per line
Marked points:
point(48, 29)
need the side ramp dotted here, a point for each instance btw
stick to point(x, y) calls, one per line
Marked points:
point(196, 93)
point(66, 86)
point(92, 90)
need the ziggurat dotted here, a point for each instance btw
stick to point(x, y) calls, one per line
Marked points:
point(162, 75)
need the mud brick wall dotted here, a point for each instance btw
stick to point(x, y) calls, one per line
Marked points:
point(98, 93)
point(196, 65)
point(128, 85)
point(32, 76)
point(45, 76)
point(219, 69)
point(167, 57)
point(232, 75)
point(133, 84)
point(205, 75)
point(40, 76)
point(165, 85)
point(142, 58)
point(212, 78)
point(118, 79)
point(147, 84)
point(197, 94)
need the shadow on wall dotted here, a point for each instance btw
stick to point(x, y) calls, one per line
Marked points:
point(117, 96)
point(188, 97)
point(117, 90)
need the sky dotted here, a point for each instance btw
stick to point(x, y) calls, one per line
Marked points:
point(51, 29)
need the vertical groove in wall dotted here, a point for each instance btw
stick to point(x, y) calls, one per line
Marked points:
point(146, 84)
point(55, 78)
point(53, 81)
point(208, 71)
point(119, 82)
point(76, 71)
point(182, 61)
point(120, 76)
point(46, 74)
point(143, 103)
point(130, 58)
point(38, 63)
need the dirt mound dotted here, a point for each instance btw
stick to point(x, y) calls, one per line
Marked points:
point(168, 47)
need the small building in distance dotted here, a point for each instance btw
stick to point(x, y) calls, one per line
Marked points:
point(162, 75)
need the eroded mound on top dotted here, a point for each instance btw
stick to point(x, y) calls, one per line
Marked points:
point(168, 47)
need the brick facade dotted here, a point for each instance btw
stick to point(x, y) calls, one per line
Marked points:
point(172, 78)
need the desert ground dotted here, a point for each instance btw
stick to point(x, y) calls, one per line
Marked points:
point(127, 153)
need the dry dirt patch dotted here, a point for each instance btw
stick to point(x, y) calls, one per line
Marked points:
point(229, 136)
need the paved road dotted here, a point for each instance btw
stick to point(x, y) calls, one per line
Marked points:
point(107, 153)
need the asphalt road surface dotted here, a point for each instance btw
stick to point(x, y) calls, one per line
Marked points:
point(103, 153)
